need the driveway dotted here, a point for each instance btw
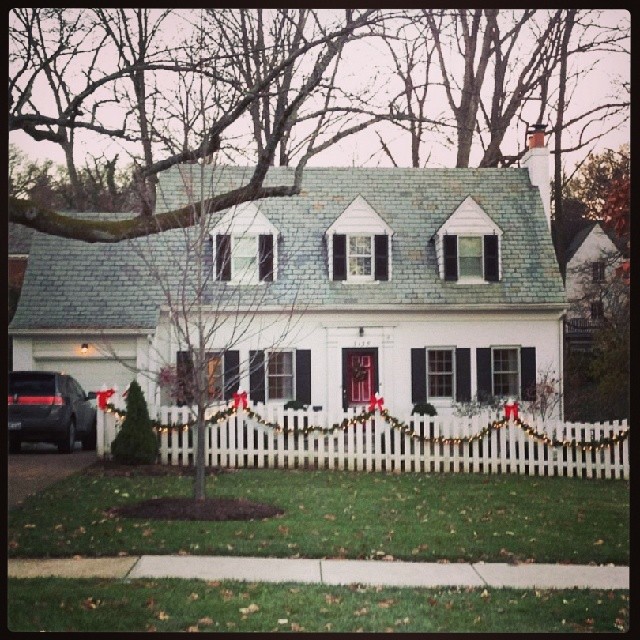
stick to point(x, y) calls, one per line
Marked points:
point(40, 465)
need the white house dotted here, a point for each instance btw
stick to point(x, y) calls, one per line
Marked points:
point(592, 258)
point(424, 285)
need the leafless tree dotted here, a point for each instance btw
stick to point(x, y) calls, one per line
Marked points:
point(315, 52)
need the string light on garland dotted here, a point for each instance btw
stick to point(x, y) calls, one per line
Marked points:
point(377, 404)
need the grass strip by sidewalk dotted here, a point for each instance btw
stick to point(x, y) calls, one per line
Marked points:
point(170, 605)
point(331, 514)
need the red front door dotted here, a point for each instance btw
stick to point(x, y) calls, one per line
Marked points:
point(361, 376)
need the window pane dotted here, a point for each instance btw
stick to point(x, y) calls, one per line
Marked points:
point(440, 373)
point(280, 375)
point(470, 256)
point(215, 377)
point(244, 258)
point(360, 255)
point(505, 372)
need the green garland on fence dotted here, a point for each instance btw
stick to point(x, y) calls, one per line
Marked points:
point(540, 436)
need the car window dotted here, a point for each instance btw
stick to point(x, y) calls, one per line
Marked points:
point(32, 384)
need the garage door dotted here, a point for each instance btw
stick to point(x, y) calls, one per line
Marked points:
point(93, 375)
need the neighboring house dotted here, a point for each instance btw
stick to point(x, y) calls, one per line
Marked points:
point(18, 246)
point(424, 285)
point(592, 258)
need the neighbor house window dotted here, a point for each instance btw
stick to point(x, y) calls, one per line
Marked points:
point(505, 369)
point(360, 257)
point(280, 375)
point(440, 373)
point(597, 310)
point(597, 271)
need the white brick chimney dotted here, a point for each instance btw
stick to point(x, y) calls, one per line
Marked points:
point(536, 160)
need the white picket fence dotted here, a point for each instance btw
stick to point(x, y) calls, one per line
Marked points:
point(241, 442)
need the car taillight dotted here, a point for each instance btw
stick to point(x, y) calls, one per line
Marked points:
point(55, 400)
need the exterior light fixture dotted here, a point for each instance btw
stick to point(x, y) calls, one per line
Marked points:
point(84, 347)
point(361, 331)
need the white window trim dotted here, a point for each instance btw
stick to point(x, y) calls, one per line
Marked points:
point(518, 372)
point(442, 399)
point(266, 376)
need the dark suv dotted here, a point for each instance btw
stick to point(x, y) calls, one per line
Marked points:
point(45, 406)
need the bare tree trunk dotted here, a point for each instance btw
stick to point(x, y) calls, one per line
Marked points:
point(557, 162)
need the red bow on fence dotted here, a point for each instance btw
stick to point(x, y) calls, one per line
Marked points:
point(103, 396)
point(376, 403)
point(240, 398)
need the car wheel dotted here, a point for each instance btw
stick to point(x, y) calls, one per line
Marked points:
point(15, 446)
point(67, 445)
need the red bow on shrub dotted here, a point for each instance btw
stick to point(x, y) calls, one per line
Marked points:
point(240, 398)
point(103, 396)
point(376, 403)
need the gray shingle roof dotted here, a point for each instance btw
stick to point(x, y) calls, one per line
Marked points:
point(73, 284)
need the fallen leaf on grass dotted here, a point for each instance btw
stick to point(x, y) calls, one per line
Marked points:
point(193, 596)
point(90, 603)
point(252, 608)
point(205, 621)
point(598, 542)
point(386, 604)
point(296, 627)
point(329, 516)
point(193, 629)
point(361, 612)
point(161, 615)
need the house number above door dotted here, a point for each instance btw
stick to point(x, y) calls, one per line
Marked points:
point(362, 343)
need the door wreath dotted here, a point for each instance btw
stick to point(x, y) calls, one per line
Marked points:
point(358, 373)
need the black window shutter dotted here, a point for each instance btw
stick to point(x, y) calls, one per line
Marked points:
point(528, 373)
point(223, 257)
point(231, 373)
point(303, 376)
point(381, 248)
point(491, 258)
point(463, 375)
point(418, 376)
point(339, 257)
point(265, 257)
point(483, 364)
point(256, 376)
point(450, 246)
point(345, 381)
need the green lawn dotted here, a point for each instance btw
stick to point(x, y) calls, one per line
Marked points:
point(59, 605)
point(418, 517)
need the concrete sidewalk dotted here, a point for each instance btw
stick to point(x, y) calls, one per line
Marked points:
point(330, 572)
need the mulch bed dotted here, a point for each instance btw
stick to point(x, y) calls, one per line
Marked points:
point(182, 508)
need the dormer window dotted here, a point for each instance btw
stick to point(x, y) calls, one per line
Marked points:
point(468, 246)
point(245, 247)
point(359, 245)
point(469, 259)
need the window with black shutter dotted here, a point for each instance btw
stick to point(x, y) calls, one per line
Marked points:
point(463, 375)
point(450, 249)
point(223, 257)
point(382, 257)
point(256, 376)
point(418, 376)
point(339, 257)
point(265, 258)
point(491, 258)
point(303, 376)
